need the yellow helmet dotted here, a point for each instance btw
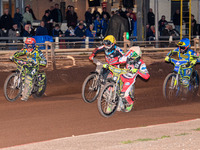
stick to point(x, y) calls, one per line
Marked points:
point(109, 41)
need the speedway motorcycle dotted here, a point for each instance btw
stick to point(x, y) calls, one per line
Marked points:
point(111, 98)
point(15, 86)
point(172, 86)
point(92, 84)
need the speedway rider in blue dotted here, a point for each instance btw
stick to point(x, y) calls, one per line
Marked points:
point(184, 53)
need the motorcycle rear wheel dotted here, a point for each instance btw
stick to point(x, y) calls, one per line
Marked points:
point(38, 94)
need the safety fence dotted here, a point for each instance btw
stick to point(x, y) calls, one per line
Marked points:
point(66, 51)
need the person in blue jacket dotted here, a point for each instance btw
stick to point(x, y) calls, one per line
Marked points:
point(97, 26)
point(57, 32)
point(41, 30)
point(104, 24)
point(90, 33)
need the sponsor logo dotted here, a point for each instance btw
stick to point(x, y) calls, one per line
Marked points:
point(127, 83)
point(188, 72)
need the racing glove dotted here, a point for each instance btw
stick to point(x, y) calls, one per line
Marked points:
point(186, 65)
point(168, 59)
point(134, 70)
point(11, 58)
point(91, 57)
point(105, 66)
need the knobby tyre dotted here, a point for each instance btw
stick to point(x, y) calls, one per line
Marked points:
point(91, 88)
point(170, 89)
point(195, 84)
point(38, 93)
point(108, 100)
point(12, 90)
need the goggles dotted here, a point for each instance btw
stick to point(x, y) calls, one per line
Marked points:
point(134, 54)
point(181, 44)
point(29, 46)
point(107, 42)
point(183, 47)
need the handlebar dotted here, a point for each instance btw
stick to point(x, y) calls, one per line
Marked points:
point(21, 61)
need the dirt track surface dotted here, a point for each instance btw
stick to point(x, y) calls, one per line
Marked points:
point(171, 136)
point(62, 112)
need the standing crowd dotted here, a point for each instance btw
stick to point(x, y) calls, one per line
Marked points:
point(94, 25)
point(167, 29)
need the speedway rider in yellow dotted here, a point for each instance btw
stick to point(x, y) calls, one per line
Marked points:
point(184, 53)
point(34, 58)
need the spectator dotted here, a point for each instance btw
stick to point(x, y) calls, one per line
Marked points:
point(162, 22)
point(193, 26)
point(130, 10)
point(50, 13)
point(133, 22)
point(88, 17)
point(104, 24)
point(41, 30)
point(112, 13)
point(3, 32)
point(121, 12)
point(18, 18)
point(69, 32)
point(6, 21)
point(72, 20)
point(68, 12)
point(27, 16)
point(80, 31)
point(105, 12)
point(130, 24)
point(151, 17)
point(166, 31)
point(150, 36)
point(176, 20)
point(173, 32)
point(31, 11)
point(95, 13)
point(97, 26)
point(57, 14)
point(90, 31)
point(57, 32)
point(27, 31)
point(81, 22)
point(48, 22)
point(14, 32)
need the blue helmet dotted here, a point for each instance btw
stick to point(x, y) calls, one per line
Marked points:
point(184, 44)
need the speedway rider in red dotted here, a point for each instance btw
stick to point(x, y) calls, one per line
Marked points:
point(112, 52)
point(136, 65)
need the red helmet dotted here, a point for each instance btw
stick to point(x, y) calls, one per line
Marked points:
point(30, 44)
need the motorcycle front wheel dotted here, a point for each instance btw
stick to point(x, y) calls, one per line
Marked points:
point(108, 100)
point(12, 87)
point(91, 88)
point(171, 90)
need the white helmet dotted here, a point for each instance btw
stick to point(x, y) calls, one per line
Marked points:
point(135, 52)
